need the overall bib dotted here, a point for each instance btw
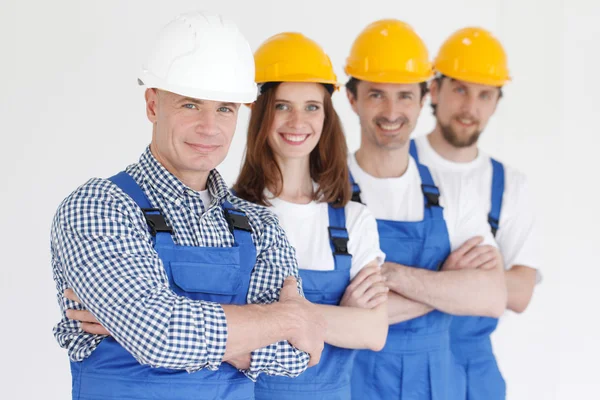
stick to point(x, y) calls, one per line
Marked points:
point(216, 274)
point(330, 379)
point(416, 362)
point(469, 335)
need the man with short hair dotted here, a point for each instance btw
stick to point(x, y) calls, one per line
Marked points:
point(471, 69)
point(182, 274)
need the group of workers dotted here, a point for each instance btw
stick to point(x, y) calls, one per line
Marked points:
point(318, 274)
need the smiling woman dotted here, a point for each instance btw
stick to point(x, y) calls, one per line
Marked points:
point(296, 164)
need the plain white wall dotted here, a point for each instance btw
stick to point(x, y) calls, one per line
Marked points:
point(70, 109)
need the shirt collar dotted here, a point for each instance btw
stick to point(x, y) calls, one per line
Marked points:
point(167, 184)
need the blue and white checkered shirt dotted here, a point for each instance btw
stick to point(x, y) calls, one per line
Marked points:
point(101, 248)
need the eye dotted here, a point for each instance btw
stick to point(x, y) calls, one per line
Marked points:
point(282, 107)
point(190, 106)
point(459, 90)
point(486, 96)
point(406, 96)
point(375, 95)
point(312, 107)
point(225, 109)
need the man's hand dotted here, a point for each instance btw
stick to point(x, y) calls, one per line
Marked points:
point(241, 362)
point(367, 289)
point(89, 323)
point(472, 256)
point(308, 328)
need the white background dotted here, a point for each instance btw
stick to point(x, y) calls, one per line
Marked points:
point(70, 109)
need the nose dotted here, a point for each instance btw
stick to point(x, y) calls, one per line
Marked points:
point(296, 119)
point(207, 123)
point(391, 110)
point(470, 106)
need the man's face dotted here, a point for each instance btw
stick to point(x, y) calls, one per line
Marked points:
point(463, 109)
point(190, 135)
point(388, 112)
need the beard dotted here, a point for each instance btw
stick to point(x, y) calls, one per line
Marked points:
point(457, 141)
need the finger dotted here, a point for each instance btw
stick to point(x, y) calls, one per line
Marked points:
point(482, 259)
point(290, 287)
point(468, 245)
point(70, 294)
point(315, 358)
point(95, 329)
point(363, 274)
point(377, 300)
point(81, 315)
point(367, 283)
point(489, 265)
point(373, 291)
point(473, 254)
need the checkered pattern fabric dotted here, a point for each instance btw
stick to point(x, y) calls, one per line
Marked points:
point(102, 249)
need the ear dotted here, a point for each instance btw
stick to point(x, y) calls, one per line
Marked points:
point(352, 100)
point(151, 96)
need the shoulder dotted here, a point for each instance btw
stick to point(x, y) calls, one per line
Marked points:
point(259, 217)
point(97, 198)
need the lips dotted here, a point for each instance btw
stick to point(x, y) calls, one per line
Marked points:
point(294, 139)
point(203, 148)
point(386, 127)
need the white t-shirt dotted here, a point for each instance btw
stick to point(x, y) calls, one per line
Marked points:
point(306, 228)
point(401, 199)
point(516, 238)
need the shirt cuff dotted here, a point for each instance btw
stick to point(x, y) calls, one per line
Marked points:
point(281, 359)
point(215, 329)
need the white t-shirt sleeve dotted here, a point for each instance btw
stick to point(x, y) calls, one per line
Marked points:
point(517, 238)
point(364, 238)
point(470, 219)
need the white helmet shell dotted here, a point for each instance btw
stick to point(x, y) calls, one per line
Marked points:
point(202, 56)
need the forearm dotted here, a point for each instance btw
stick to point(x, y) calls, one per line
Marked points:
point(254, 326)
point(461, 292)
point(401, 309)
point(259, 332)
point(355, 328)
point(520, 283)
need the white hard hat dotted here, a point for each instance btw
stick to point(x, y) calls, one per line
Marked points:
point(202, 56)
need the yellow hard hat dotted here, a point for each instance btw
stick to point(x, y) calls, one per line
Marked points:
point(473, 55)
point(292, 57)
point(389, 51)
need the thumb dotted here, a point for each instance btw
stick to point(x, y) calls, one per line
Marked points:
point(290, 286)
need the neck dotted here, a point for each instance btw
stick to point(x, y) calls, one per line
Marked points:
point(448, 151)
point(297, 183)
point(193, 179)
point(380, 162)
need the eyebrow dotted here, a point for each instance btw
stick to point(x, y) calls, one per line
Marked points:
point(289, 102)
point(198, 101)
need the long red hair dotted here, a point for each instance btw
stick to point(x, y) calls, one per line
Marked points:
point(328, 160)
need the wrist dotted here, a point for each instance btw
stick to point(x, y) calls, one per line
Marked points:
point(282, 315)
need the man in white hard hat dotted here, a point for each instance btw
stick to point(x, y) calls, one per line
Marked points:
point(183, 276)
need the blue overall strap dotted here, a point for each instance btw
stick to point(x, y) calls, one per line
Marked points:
point(431, 194)
point(497, 193)
point(157, 224)
point(238, 223)
point(355, 189)
point(338, 234)
point(413, 151)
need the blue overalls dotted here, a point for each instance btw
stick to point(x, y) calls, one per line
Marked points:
point(416, 362)
point(218, 274)
point(330, 379)
point(469, 335)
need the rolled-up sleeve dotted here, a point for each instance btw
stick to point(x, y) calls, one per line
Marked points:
point(101, 243)
point(275, 261)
